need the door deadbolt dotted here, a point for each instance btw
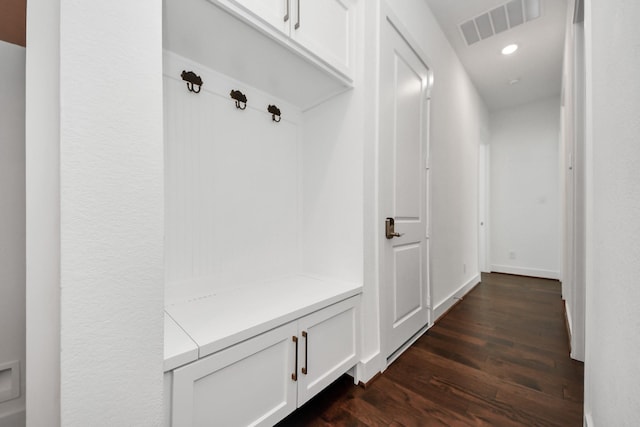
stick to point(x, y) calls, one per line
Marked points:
point(390, 228)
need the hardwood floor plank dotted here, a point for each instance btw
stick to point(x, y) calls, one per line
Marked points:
point(498, 358)
point(416, 409)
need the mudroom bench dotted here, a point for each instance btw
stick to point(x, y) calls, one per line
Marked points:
point(252, 354)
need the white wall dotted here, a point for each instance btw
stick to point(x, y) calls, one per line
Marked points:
point(332, 165)
point(525, 204)
point(12, 218)
point(111, 204)
point(110, 223)
point(459, 118)
point(612, 371)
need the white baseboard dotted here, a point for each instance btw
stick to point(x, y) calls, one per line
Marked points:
point(521, 271)
point(588, 421)
point(567, 310)
point(442, 307)
point(577, 352)
point(575, 355)
point(10, 390)
point(368, 368)
point(14, 419)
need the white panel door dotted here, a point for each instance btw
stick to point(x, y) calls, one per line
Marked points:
point(249, 384)
point(328, 347)
point(276, 13)
point(325, 27)
point(404, 187)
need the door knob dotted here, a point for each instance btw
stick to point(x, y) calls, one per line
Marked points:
point(389, 229)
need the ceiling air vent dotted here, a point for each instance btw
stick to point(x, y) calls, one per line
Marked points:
point(500, 19)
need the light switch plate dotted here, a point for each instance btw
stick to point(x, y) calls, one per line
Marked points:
point(9, 381)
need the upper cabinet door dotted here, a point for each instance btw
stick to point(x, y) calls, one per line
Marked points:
point(276, 13)
point(319, 33)
point(325, 27)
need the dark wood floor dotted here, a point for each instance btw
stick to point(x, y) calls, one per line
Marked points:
point(498, 358)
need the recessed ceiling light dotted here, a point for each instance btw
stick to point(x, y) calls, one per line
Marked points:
point(508, 50)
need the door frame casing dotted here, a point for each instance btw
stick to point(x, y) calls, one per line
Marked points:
point(484, 207)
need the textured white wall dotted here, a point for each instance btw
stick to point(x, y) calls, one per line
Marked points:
point(111, 205)
point(612, 382)
point(525, 209)
point(459, 118)
point(12, 215)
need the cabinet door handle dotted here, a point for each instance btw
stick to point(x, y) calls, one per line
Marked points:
point(306, 351)
point(298, 23)
point(286, 16)
point(294, 376)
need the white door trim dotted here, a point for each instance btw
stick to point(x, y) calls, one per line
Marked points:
point(484, 207)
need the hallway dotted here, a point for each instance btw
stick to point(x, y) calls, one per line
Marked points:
point(498, 358)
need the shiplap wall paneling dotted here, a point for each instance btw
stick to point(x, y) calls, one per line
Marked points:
point(232, 186)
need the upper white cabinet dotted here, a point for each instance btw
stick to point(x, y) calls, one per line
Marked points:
point(276, 13)
point(304, 60)
point(323, 27)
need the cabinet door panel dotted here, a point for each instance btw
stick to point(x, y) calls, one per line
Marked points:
point(247, 384)
point(331, 347)
point(325, 28)
point(270, 11)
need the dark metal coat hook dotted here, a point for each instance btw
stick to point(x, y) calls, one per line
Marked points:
point(192, 80)
point(240, 98)
point(275, 111)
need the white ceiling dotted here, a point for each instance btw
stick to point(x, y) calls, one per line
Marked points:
point(537, 63)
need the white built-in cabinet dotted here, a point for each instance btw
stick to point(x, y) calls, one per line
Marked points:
point(249, 335)
point(323, 27)
point(276, 13)
point(261, 380)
